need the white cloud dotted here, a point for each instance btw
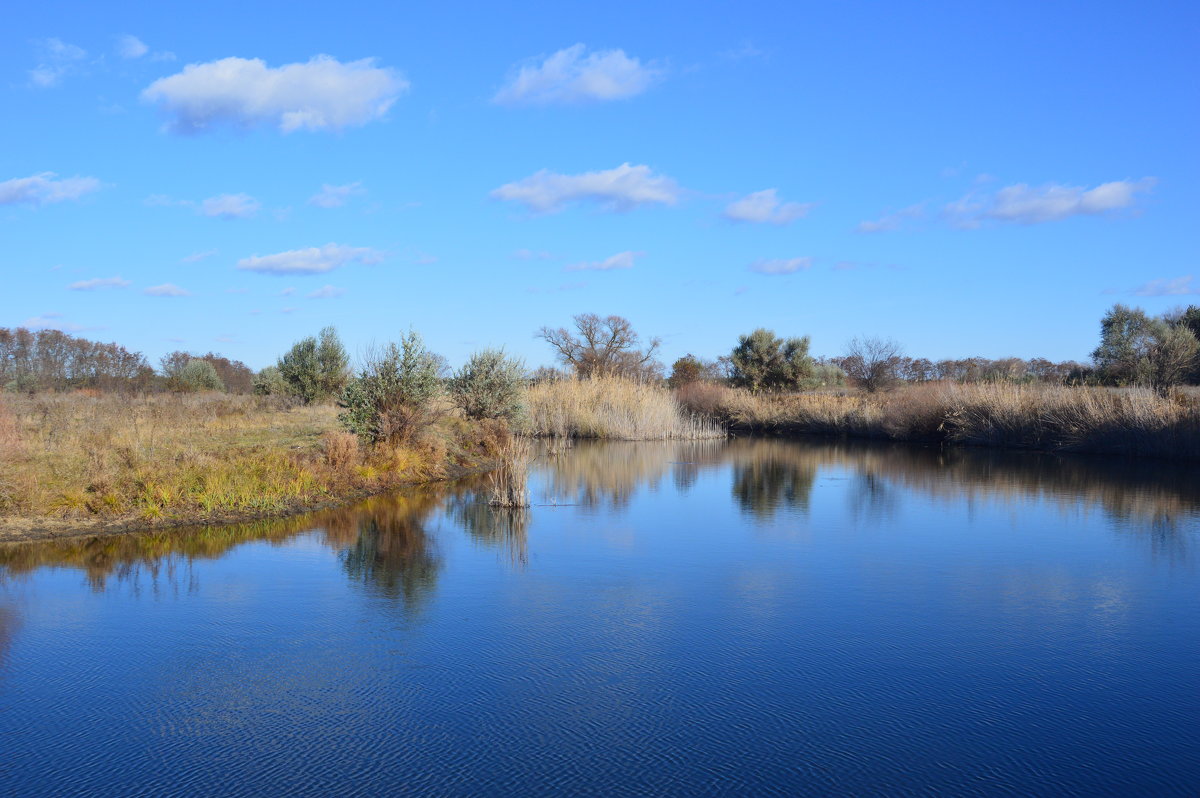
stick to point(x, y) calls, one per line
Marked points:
point(44, 189)
point(166, 289)
point(129, 46)
point(619, 189)
point(744, 50)
point(291, 289)
point(326, 292)
point(573, 75)
point(1024, 204)
point(51, 321)
point(891, 221)
point(196, 257)
point(230, 206)
point(97, 283)
point(781, 265)
point(56, 59)
point(321, 94)
point(765, 207)
point(530, 254)
point(1178, 286)
point(314, 260)
point(335, 196)
point(622, 260)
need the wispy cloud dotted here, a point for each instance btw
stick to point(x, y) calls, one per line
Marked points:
point(166, 289)
point(44, 189)
point(230, 206)
point(573, 75)
point(1176, 286)
point(892, 221)
point(531, 254)
point(765, 207)
point(326, 292)
point(335, 196)
point(744, 50)
point(130, 46)
point(51, 321)
point(98, 283)
point(196, 257)
point(781, 265)
point(56, 59)
point(321, 94)
point(622, 260)
point(314, 260)
point(1024, 204)
point(620, 189)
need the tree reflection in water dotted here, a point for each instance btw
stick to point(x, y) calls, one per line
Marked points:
point(391, 551)
point(383, 542)
point(768, 482)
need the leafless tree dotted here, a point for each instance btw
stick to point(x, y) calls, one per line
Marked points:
point(873, 362)
point(602, 347)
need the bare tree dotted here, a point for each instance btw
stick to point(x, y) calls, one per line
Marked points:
point(873, 362)
point(602, 347)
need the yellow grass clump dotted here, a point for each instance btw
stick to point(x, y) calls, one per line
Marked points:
point(613, 408)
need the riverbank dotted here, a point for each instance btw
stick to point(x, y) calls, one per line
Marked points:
point(1130, 422)
point(87, 464)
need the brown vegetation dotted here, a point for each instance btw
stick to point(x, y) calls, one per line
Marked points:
point(614, 408)
point(1134, 421)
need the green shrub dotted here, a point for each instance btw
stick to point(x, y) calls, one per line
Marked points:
point(392, 398)
point(761, 361)
point(269, 382)
point(315, 369)
point(199, 375)
point(490, 385)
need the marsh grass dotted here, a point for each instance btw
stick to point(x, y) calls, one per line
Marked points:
point(510, 481)
point(613, 408)
point(174, 457)
point(1048, 418)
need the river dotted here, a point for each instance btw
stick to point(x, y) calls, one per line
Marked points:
point(748, 617)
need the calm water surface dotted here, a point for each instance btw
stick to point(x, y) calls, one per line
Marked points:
point(750, 617)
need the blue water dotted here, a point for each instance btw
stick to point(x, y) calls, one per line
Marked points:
point(750, 617)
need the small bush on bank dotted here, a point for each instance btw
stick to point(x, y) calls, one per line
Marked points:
point(490, 385)
point(391, 400)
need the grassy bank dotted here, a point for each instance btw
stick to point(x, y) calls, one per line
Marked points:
point(613, 408)
point(113, 461)
point(1044, 418)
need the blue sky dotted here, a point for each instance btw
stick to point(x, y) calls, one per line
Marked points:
point(967, 178)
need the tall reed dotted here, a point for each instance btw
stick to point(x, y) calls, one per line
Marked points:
point(614, 408)
point(510, 481)
point(1049, 418)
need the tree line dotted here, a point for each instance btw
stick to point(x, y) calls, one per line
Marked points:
point(1135, 349)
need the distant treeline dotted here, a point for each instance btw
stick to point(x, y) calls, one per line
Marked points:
point(1135, 349)
point(49, 360)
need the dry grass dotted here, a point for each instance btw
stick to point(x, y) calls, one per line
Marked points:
point(1048, 418)
point(510, 482)
point(170, 458)
point(613, 408)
